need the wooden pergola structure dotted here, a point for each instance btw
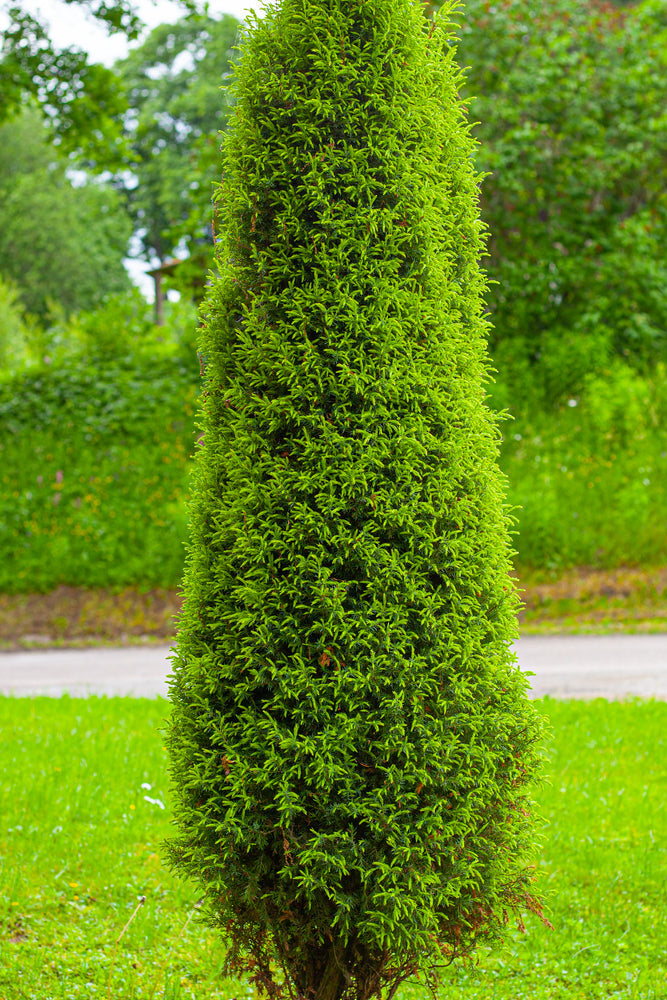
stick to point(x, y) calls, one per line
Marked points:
point(166, 268)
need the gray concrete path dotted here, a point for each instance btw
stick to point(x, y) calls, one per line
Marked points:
point(573, 666)
point(596, 666)
point(139, 671)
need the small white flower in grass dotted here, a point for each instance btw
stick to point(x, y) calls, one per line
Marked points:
point(572, 402)
point(154, 802)
point(146, 786)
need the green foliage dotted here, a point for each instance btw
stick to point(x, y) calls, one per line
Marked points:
point(570, 97)
point(122, 324)
point(579, 473)
point(590, 460)
point(173, 82)
point(58, 242)
point(119, 328)
point(82, 101)
point(13, 326)
point(93, 468)
point(350, 741)
point(591, 478)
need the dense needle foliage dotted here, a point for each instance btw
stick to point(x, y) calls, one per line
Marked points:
point(350, 740)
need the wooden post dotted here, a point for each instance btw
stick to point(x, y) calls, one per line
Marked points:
point(159, 297)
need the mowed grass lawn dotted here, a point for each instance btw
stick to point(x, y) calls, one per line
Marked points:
point(82, 818)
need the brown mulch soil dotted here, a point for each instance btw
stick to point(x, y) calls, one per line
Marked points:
point(624, 595)
point(72, 616)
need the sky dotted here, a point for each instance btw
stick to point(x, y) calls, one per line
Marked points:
point(70, 26)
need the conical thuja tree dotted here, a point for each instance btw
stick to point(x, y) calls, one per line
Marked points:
point(350, 739)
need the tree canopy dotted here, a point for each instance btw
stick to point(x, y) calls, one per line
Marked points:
point(58, 243)
point(80, 99)
point(571, 100)
point(175, 111)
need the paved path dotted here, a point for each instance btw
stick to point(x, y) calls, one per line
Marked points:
point(131, 670)
point(577, 666)
point(596, 666)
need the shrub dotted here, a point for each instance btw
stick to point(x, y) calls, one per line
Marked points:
point(350, 740)
point(591, 477)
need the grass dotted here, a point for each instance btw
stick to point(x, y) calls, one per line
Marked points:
point(604, 865)
point(80, 841)
point(81, 831)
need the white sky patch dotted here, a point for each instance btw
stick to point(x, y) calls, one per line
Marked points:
point(137, 270)
point(70, 25)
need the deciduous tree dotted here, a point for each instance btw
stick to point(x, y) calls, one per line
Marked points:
point(81, 100)
point(570, 97)
point(175, 112)
point(58, 242)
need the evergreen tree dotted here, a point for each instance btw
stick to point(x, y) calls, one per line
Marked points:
point(350, 739)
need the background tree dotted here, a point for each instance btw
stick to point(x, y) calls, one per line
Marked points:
point(176, 110)
point(82, 101)
point(571, 97)
point(350, 741)
point(58, 242)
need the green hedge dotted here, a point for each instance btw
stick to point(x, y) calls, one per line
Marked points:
point(93, 469)
point(590, 479)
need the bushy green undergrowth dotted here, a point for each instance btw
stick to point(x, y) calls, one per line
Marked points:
point(81, 840)
point(591, 478)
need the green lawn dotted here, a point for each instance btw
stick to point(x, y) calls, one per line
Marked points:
point(79, 841)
